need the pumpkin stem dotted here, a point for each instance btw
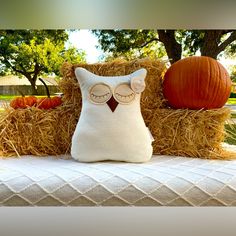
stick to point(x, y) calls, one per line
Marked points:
point(47, 90)
point(20, 92)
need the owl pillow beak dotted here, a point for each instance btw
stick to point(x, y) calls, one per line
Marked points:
point(112, 103)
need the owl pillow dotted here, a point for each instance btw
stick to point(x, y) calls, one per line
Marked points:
point(111, 126)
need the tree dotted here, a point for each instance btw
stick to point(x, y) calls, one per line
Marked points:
point(129, 44)
point(210, 42)
point(176, 42)
point(233, 74)
point(32, 53)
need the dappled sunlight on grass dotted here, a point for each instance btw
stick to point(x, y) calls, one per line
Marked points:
point(9, 97)
point(231, 130)
point(231, 101)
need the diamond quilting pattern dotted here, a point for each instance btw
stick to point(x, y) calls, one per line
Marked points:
point(16, 200)
point(50, 201)
point(51, 184)
point(39, 193)
point(147, 184)
point(228, 193)
point(115, 201)
point(83, 184)
point(164, 195)
point(66, 192)
point(131, 194)
point(179, 184)
point(6, 175)
point(196, 195)
point(98, 194)
point(210, 186)
point(115, 184)
point(164, 181)
point(5, 192)
point(18, 184)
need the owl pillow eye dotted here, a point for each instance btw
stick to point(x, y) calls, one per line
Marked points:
point(100, 93)
point(124, 94)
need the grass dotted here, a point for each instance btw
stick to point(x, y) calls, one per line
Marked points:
point(231, 129)
point(10, 97)
point(231, 101)
point(6, 97)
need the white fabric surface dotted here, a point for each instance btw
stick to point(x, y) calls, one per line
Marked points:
point(101, 134)
point(164, 181)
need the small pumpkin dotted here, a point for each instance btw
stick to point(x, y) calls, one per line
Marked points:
point(196, 82)
point(48, 102)
point(23, 101)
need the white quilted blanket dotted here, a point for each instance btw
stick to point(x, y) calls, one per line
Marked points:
point(164, 181)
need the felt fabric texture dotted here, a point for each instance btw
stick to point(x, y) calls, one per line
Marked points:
point(111, 126)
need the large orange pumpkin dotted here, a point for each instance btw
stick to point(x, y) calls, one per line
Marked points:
point(196, 82)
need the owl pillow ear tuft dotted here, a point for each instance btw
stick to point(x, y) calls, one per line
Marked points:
point(137, 81)
point(83, 75)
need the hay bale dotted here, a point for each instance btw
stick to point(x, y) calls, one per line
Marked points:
point(190, 133)
point(176, 132)
point(37, 132)
point(152, 97)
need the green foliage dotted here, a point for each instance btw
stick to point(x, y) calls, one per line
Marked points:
point(130, 44)
point(230, 50)
point(231, 131)
point(141, 43)
point(191, 41)
point(233, 95)
point(32, 53)
point(233, 73)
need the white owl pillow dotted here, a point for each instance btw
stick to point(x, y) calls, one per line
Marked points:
point(111, 126)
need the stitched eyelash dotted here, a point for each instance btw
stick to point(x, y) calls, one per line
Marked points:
point(125, 96)
point(101, 96)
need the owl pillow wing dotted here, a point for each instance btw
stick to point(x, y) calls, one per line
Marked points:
point(111, 126)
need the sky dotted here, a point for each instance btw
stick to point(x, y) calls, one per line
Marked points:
point(85, 40)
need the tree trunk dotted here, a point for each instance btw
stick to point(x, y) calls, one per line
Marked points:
point(33, 86)
point(33, 79)
point(34, 90)
point(173, 48)
point(210, 43)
